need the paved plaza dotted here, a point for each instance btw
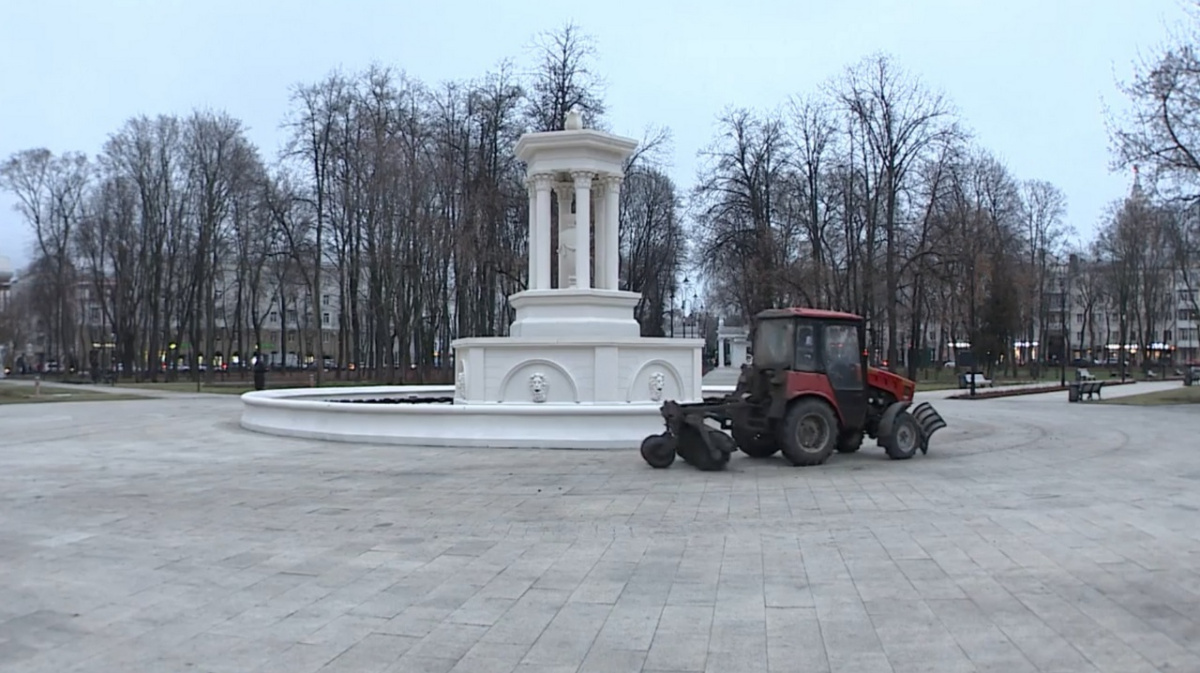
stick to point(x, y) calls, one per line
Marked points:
point(157, 536)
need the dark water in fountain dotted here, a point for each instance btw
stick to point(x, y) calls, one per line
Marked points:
point(409, 399)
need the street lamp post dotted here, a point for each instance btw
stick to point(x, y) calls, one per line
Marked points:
point(687, 284)
point(1062, 311)
point(672, 312)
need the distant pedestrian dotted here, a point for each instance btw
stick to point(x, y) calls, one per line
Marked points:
point(260, 371)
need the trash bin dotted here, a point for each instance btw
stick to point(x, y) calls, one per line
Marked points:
point(1073, 392)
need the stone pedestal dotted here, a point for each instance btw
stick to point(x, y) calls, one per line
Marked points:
point(573, 312)
point(576, 347)
point(572, 371)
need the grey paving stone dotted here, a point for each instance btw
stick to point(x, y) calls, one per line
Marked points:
point(409, 664)
point(568, 637)
point(490, 658)
point(448, 641)
point(681, 640)
point(300, 658)
point(794, 641)
point(629, 626)
point(1013, 546)
point(375, 652)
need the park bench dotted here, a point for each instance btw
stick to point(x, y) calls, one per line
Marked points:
point(1080, 388)
point(981, 381)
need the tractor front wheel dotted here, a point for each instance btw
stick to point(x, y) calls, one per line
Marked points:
point(905, 438)
point(809, 432)
point(754, 444)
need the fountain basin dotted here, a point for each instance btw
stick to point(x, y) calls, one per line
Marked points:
point(344, 415)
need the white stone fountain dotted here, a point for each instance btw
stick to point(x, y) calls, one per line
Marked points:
point(575, 371)
point(576, 342)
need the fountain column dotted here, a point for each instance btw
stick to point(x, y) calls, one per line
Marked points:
point(600, 206)
point(542, 183)
point(612, 227)
point(583, 233)
point(566, 241)
point(533, 232)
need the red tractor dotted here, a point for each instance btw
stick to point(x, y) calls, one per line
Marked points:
point(808, 393)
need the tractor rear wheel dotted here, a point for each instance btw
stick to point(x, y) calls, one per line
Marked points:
point(755, 444)
point(850, 442)
point(809, 432)
point(905, 438)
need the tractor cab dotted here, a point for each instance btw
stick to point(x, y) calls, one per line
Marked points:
point(812, 351)
point(809, 340)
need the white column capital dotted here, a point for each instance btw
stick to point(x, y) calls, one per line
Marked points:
point(583, 179)
point(540, 181)
point(611, 180)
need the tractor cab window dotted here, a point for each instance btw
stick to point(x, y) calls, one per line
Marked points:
point(843, 357)
point(773, 344)
point(806, 347)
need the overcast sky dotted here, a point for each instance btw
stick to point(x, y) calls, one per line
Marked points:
point(1029, 77)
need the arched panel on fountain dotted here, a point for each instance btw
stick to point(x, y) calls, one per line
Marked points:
point(539, 381)
point(656, 380)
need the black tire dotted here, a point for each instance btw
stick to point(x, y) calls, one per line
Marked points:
point(850, 442)
point(905, 438)
point(715, 459)
point(755, 444)
point(658, 451)
point(809, 433)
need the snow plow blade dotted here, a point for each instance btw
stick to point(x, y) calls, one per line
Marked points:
point(930, 422)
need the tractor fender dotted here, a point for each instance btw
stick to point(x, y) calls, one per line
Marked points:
point(889, 418)
point(818, 395)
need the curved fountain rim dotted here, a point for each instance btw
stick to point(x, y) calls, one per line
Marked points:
point(302, 399)
point(318, 413)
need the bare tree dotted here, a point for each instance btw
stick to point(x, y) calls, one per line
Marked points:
point(1162, 129)
point(813, 133)
point(50, 195)
point(564, 78)
point(653, 243)
point(737, 205)
point(1043, 207)
point(899, 119)
point(313, 121)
